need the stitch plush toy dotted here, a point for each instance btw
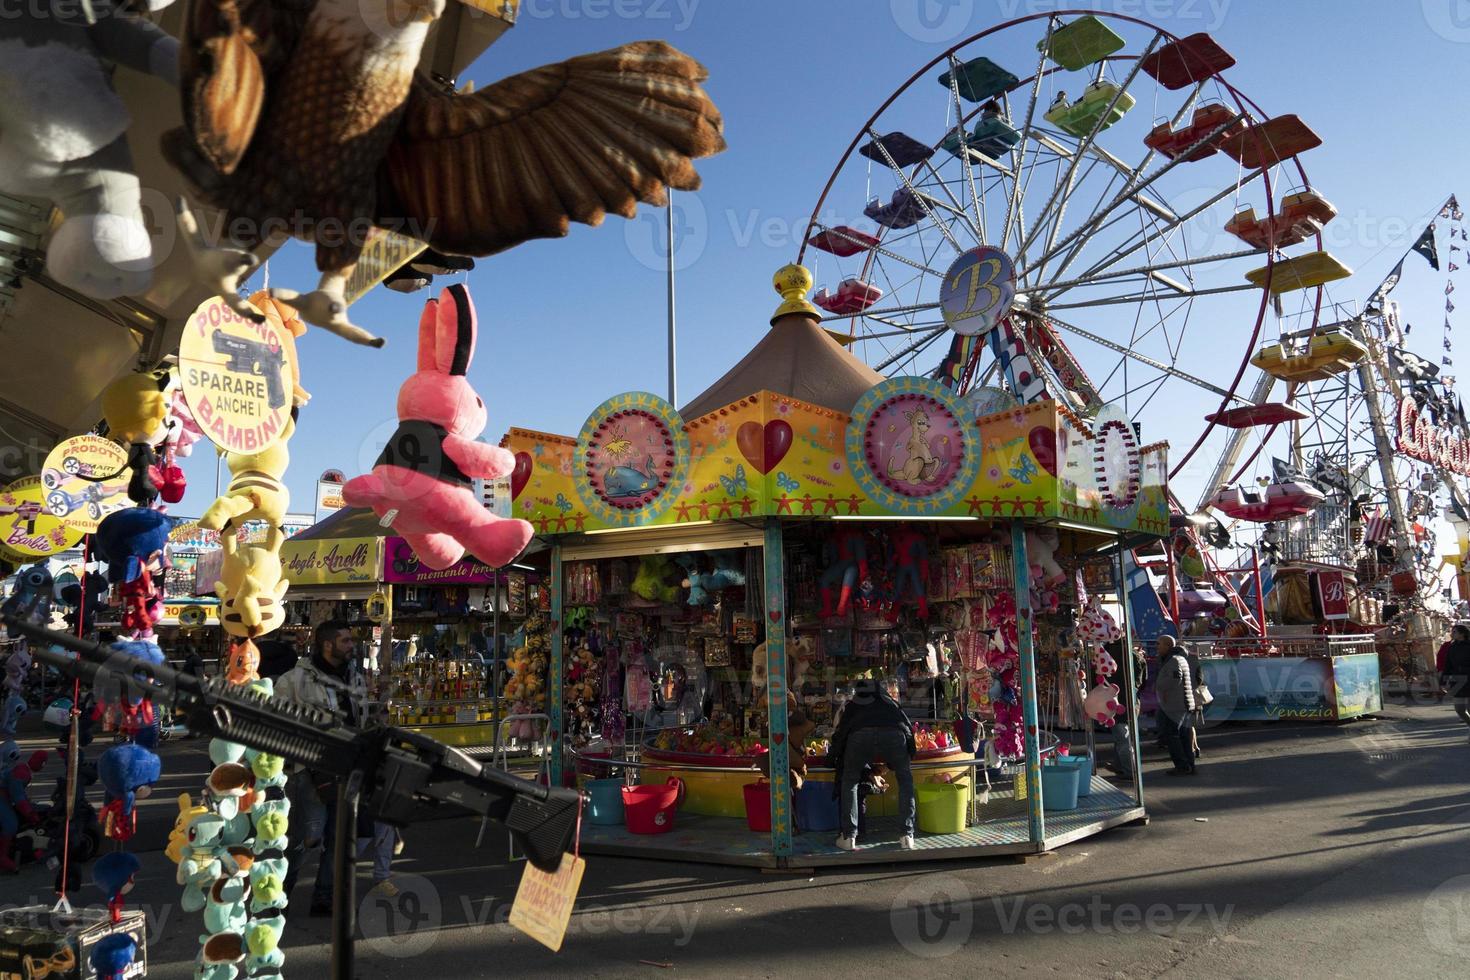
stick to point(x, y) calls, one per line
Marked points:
point(15, 803)
point(128, 773)
point(701, 584)
point(422, 482)
point(847, 565)
point(63, 135)
point(113, 873)
point(32, 596)
point(909, 567)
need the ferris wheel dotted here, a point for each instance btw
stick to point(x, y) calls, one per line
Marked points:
point(1081, 205)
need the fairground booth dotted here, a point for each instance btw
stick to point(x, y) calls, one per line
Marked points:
point(723, 572)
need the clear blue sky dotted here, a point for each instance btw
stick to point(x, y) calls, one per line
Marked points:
point(565, 324)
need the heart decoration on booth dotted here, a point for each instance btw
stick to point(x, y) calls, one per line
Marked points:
point(764, 446)
point(778, 737)
point(1044, 448)
point(521, 475)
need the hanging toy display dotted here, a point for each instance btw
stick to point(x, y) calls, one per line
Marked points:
point(251, 591)
point(846, 553)
point(422, 482)
point(1002, 658)
point(701, 584)
point(583, 683)
point(1095, 628)
point(16, 809)
point(255, 491)
point(526, 687)
point(137, 408)
point(908, 559)
point(128, 772)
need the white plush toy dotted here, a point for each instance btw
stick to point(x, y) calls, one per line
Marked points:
point(63, 135)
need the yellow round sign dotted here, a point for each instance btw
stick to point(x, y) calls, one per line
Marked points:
point(26, 526)
point(69, 477)
point(237, 377)
point(14, 557)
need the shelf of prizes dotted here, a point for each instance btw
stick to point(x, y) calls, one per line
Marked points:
point(722, 580)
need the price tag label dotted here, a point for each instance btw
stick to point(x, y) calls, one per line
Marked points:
point(543, 903)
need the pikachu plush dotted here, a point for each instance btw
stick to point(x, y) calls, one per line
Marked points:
point(255, 491)
point(251, 590)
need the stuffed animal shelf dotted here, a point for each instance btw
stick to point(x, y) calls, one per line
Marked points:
point(64, 135)
point(422, 482)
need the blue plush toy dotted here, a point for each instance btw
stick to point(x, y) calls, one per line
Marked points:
point(12, 710)
point(129, 539)
point(32, 596)
point(701, 584)
point(112, 955)
point(224, 909)
point(128, 772)
point(113, 874)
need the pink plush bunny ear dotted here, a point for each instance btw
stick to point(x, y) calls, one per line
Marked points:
point(455, 344)
point(428, 343)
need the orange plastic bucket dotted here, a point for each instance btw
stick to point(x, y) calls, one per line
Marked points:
point(650, 809)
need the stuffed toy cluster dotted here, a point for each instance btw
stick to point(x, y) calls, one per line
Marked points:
point(1002, 657)
point(724, 573)
point(526, 688)
point(881, 572)
point(582, 688)
point(1096, 627)
point(230, 851)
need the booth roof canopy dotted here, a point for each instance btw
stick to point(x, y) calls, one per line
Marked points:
point(796, 358)
point(350, 522)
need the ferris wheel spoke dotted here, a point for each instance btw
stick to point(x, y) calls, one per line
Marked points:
point(1126, 249)
point(1130, 353)
point(914, 349)
point(959, 115)
point(1015, 202)
point(887, 311)
point(877, 249)
point(1055, 289)
point(1064, 188)
point(918, 197)
point(1147, 298)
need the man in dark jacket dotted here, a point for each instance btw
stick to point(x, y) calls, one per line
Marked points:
point(874, 727)
point(1457, 670)
point(1175, 689)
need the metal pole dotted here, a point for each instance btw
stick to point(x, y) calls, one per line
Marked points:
point(1173, 585)
point(495, 670)
point(673, 373)
point(1026, 654)
point(554, 682)
point(780, 748)
point(344, 873)
point(1260, 595)
point(1135, 737)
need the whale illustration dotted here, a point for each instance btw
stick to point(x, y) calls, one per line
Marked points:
point(626, 481)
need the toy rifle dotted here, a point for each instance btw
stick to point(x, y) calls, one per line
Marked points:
point(390, 770)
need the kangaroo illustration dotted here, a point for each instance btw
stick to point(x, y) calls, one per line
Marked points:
point(921, 464)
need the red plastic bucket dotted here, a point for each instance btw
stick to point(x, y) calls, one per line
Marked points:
point(758, 806)
point(650, 809)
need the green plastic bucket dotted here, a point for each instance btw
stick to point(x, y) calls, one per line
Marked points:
point(942, 806)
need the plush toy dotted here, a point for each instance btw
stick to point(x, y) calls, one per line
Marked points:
point(113, 873)
point(82, 598)
point(255, 491)
point(701, 584)
point(136, 718)
point(16, 808)
point(263, 940)
point(128, 772)
point(909, 567)
point(231, 788)
point(32, 596)
point(200, 863)
point(251, 590)
point(142, 605)
point(183, 428)
point(13, 708)
point(224, 906)
point(178, 837)
point(63, 136)
point(220, 956)
point(1103, 664)
point(271, 819)
point(1041, 548)
point(1096, 625)
point(651, 582)
point(423, 480)
point(131, 540)
point(136, 408)
point(847, 565)
point(292, 328)
point(17, 667)
point(1102, 704)
point(112, 955)
point(242, 664)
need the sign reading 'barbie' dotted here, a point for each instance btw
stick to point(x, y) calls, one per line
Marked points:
point(1429, 443)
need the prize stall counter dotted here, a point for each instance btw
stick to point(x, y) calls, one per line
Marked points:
point(701, 559)
point(1291, 678)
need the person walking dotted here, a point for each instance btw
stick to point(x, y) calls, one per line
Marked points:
point(874, 727)
point(1197, 687)
point(1175, 692)
point(1457, 670)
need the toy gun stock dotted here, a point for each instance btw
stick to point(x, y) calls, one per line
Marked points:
point(256, 358)
point(397, 768)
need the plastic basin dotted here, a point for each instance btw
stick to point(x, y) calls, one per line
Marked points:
point(1083, 765)
point(758, 806)
point(649, 809)
point(816, 807)
point(942, 806)
point(1059, 787)
point(606, 801)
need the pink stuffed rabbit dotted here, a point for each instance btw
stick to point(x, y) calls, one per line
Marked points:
point(422, 480)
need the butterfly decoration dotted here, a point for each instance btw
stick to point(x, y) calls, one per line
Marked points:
point(538, 450)
point(786, 483)
point(562, 503)
point(1025, 470)
point(737, 483)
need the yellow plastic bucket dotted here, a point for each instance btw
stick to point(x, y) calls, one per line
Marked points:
point(942, 807)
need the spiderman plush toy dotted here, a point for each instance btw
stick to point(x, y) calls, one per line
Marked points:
point(847, 554)
point(909, 561)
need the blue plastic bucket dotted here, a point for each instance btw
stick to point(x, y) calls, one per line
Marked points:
point(816, 807)
point(1059, 787)
point(606, 807)
point(1083, 764)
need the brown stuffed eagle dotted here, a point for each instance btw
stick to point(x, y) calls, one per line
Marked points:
point(307, 118)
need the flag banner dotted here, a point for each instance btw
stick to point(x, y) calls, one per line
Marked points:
point(1389, 283)
point(1425, 246)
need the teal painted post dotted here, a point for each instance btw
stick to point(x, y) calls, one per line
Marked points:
point(554, 682)
point(776, 691)
point(1027, 655)
point(1134, 737)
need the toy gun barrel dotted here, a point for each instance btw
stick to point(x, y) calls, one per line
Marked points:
point(400, 766)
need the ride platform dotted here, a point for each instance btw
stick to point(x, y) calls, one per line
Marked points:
point(1299, 272)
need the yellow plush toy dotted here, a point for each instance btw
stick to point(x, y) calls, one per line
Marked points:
point(178, 838)
point(136, 408)
point(252, 591)
point(255, 491)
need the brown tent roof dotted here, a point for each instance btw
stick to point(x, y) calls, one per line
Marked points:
point(349, 522)
point(796, 358)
